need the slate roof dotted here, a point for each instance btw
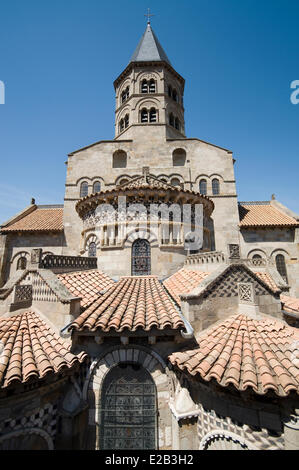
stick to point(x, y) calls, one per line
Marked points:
point(30, 349)
point(149, 48)
point(39, 220)
point(133, 302)
point(261, 355)
point(86, 284)
point(263, 214)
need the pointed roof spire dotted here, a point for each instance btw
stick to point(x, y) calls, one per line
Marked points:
point(149, 48)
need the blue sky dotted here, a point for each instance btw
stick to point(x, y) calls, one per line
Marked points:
point(58, 60)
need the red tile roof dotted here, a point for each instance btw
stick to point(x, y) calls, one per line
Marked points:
point(86, 284)
point(40, 220)
point(133, 302)
point(290, 304)
point(247, 353)
point(183, 282)
point(263, 215)
point(267, 279)
point(29, 348)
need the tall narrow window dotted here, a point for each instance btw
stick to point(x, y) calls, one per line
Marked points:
point(144, 86)
point(141, 258)
point(169, 91)
point(125, 95)
point(152, 86)
point(177, 124)
point(126, 120)
point(215, 186)
point(203, 187)
point(171, 120)
point(153, 115)
point(128, 409)
point(144, 115)
point(84, 189)
point(22, 263)
point(121, 125)
point(92, 249)
point(96, 187)
point(281, 267)
point(174, 95)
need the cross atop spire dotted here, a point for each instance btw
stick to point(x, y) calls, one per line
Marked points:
point(148, 15)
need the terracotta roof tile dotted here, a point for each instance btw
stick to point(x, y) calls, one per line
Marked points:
point(29, 348)
point(264, 215)
point(40, 220)
point(183, 282)
point(86, 284)
point(290, 304)
point(133, 302)
point(248, 353)
point(267, 278)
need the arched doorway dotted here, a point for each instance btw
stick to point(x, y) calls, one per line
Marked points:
point(141, 258)
point(128, 409)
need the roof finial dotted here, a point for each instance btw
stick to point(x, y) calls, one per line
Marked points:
point(149, 16)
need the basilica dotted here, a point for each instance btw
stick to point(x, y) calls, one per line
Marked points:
point(119, 330)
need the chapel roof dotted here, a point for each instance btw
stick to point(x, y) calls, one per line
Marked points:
point(133, 302)
point(290, 304)
point(86, 284)
point(248, 353)
point(263, 214)
point(39, 219)
point(31, 349)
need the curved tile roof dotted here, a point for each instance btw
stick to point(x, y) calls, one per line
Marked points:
point(259, 354)
point(290, 304)
point(183, 282)
point(133, 302)
point(86, 284)
point(263, 215)
point(29, 348)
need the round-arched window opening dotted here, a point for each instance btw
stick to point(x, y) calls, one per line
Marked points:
point(281, 267)
point(175, 182)
point(141, 258)
point(174, 95)
point(171, 120)
point(152, 86)
point(92, 249)
point(119, 159)
point(179, 157)
point(121, 125)
point(203, 187)
point(144, 86)
point(153, 115)
point(215, 186)
point(96, 187)
point(21, 263)
point(84, 189)
point(128, 409)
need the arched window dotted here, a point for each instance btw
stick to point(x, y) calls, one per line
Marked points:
point(174, 95)
point(203, 187)
point(141, 258)
point(92, 249)
point(125, 95)
point(119, 159)
point(152, 86)
point(256, 256)
point(175, 182)
point(126, 120)
point(169, 91)
point(84, 189)
point(121, 125)
point(22, 263)
point(281, 267)
point(144, 86)
point(179, 157)
point(123, 181)
point(215, 186)
point(96, 187)
point(177, 123)
point(144, 115)
point(153, 115)
point(171, 120)
point(128, 408)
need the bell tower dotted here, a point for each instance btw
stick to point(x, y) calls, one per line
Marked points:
point(149, 95)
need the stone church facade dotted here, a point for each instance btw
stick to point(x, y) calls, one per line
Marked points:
point(117, 331)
